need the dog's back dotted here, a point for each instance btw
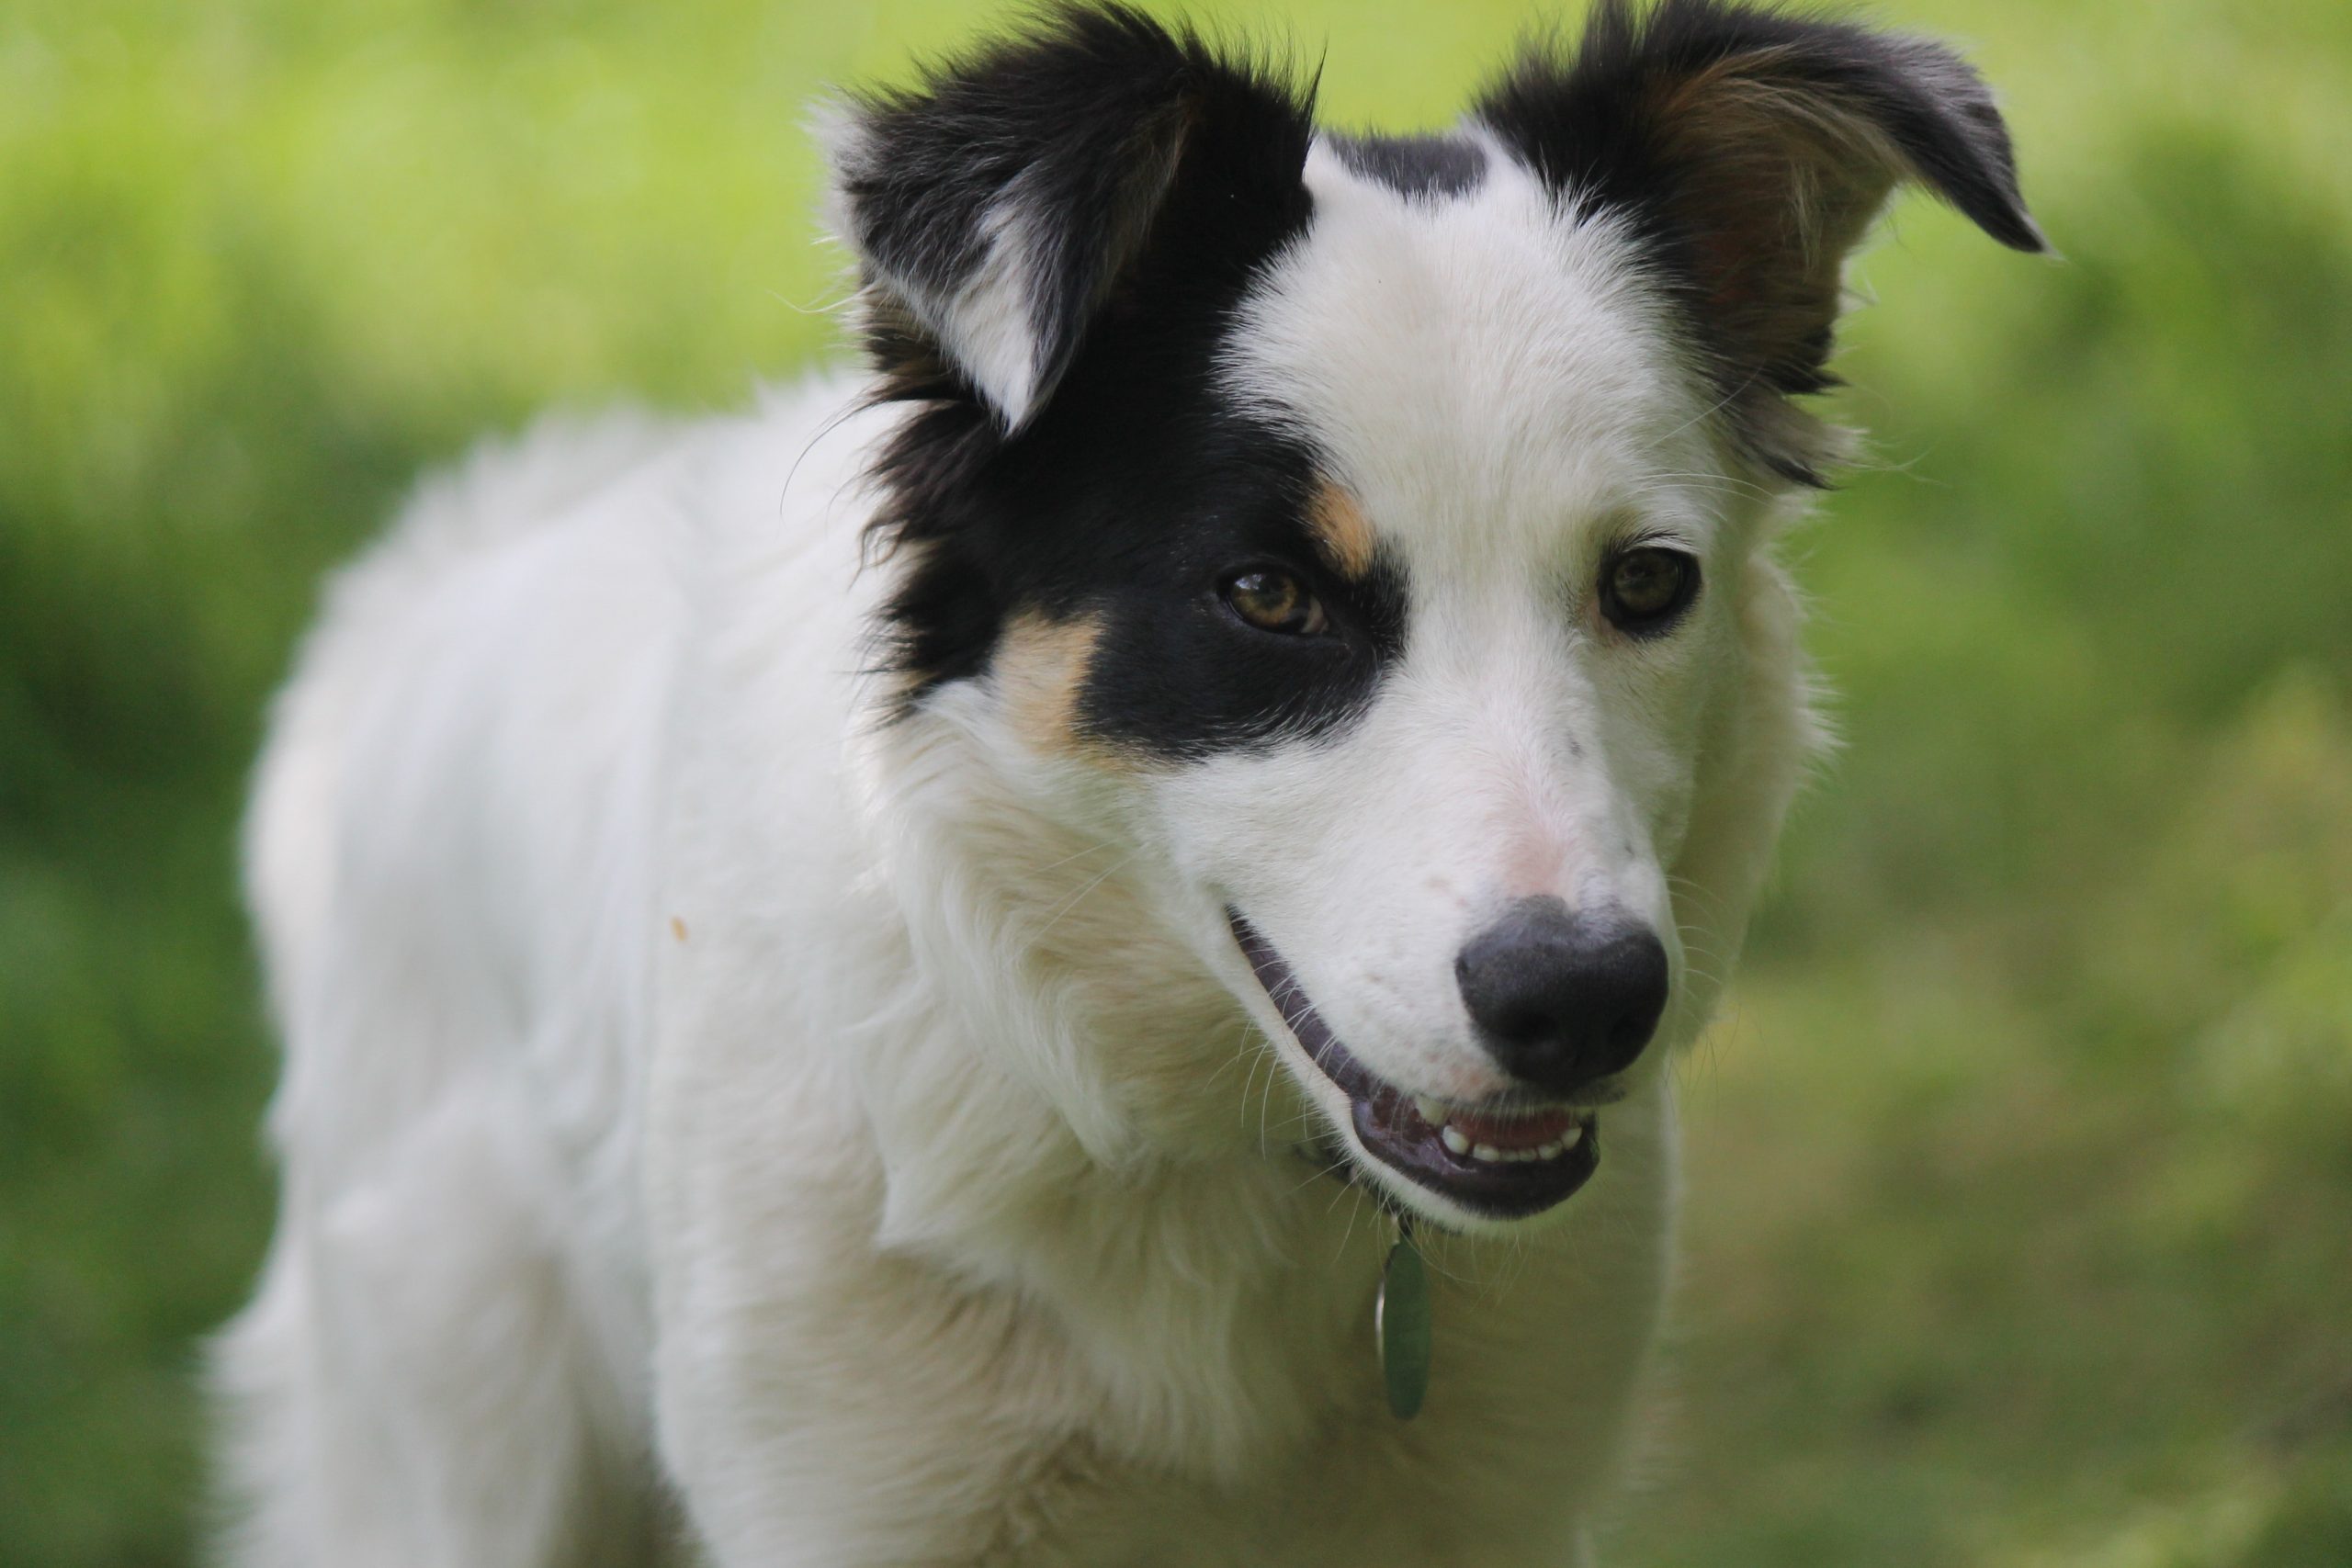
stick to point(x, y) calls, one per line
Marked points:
point(451, 858)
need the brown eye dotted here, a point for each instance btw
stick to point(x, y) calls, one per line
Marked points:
point(1642, 590)
point(1276, 602)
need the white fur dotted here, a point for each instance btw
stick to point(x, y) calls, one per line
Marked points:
point(869, 1133)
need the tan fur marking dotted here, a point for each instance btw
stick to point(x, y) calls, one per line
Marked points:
point(1789, 180)
point(1340, 526)
point(1786, 177)
point(1040, 668)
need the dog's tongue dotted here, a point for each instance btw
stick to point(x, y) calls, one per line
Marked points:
point(1525, 1132)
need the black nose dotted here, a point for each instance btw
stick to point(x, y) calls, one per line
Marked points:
point(1560, 998)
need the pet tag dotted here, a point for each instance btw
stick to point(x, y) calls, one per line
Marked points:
point(1400, 1322)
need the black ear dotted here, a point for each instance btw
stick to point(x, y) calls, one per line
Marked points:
point(996, 206)
point(1751, 148)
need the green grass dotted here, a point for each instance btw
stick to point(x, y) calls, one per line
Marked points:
point(2021, 1179)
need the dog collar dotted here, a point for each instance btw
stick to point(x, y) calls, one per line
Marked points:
point(1401, 1307)
point(1400, 1325)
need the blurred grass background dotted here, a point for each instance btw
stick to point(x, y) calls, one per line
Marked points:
point(2021, 1196)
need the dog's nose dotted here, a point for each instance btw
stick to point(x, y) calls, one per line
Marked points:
point(1561, 999)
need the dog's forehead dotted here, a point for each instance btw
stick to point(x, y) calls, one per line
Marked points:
point(1483, 370)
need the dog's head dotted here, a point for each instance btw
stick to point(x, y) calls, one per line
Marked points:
point(1365, 534)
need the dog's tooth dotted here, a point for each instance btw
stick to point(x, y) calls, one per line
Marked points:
point(1551, 1150)
point(1454, 1140)
point(1487, 1152)
point(1432, 1111)
point(1573, 1136)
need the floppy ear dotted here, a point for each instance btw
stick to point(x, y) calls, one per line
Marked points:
point(996, 207)
point(1752, 149)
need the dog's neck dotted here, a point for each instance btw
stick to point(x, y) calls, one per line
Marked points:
point(1126, 1153)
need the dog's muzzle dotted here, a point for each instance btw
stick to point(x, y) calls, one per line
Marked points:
point(1500, 1159)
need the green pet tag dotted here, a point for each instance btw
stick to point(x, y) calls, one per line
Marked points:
point(1400, 1322)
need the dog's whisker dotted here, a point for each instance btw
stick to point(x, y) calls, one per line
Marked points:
point(1073, 900)
point(825, 429)
point(1319, 1173)
point(1354, 1211)
point(1076, 854)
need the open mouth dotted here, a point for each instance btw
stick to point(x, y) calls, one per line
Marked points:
point(1500, 1161)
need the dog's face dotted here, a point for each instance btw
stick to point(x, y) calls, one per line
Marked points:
point(1366, 531)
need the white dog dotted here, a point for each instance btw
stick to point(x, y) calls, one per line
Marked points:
point(791, 1064)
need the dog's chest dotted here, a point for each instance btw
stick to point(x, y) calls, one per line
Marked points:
point(1468, 1484)
point(1537, 1360)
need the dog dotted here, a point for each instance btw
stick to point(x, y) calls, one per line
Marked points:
point(901, 978)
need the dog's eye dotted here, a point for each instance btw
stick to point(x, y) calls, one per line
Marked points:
point(1276, 602)
point(1642, 590)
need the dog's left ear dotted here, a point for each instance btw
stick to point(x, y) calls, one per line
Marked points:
point(997, 206)
point(1751, 148)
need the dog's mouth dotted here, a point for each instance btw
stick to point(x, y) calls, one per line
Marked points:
point(1503, 1162)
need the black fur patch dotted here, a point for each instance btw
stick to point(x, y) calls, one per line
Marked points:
point(1133, 493)
point(1073, 137)
point(1133, 502)
point(1416, 165)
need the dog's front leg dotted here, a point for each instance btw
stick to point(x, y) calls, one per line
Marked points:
point(822, 1403)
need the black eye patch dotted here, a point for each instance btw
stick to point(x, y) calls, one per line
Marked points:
point(1136, 504)
point(1178, 673)
point(1175, 671)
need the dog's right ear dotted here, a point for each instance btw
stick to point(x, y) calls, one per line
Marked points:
point(998, 206)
